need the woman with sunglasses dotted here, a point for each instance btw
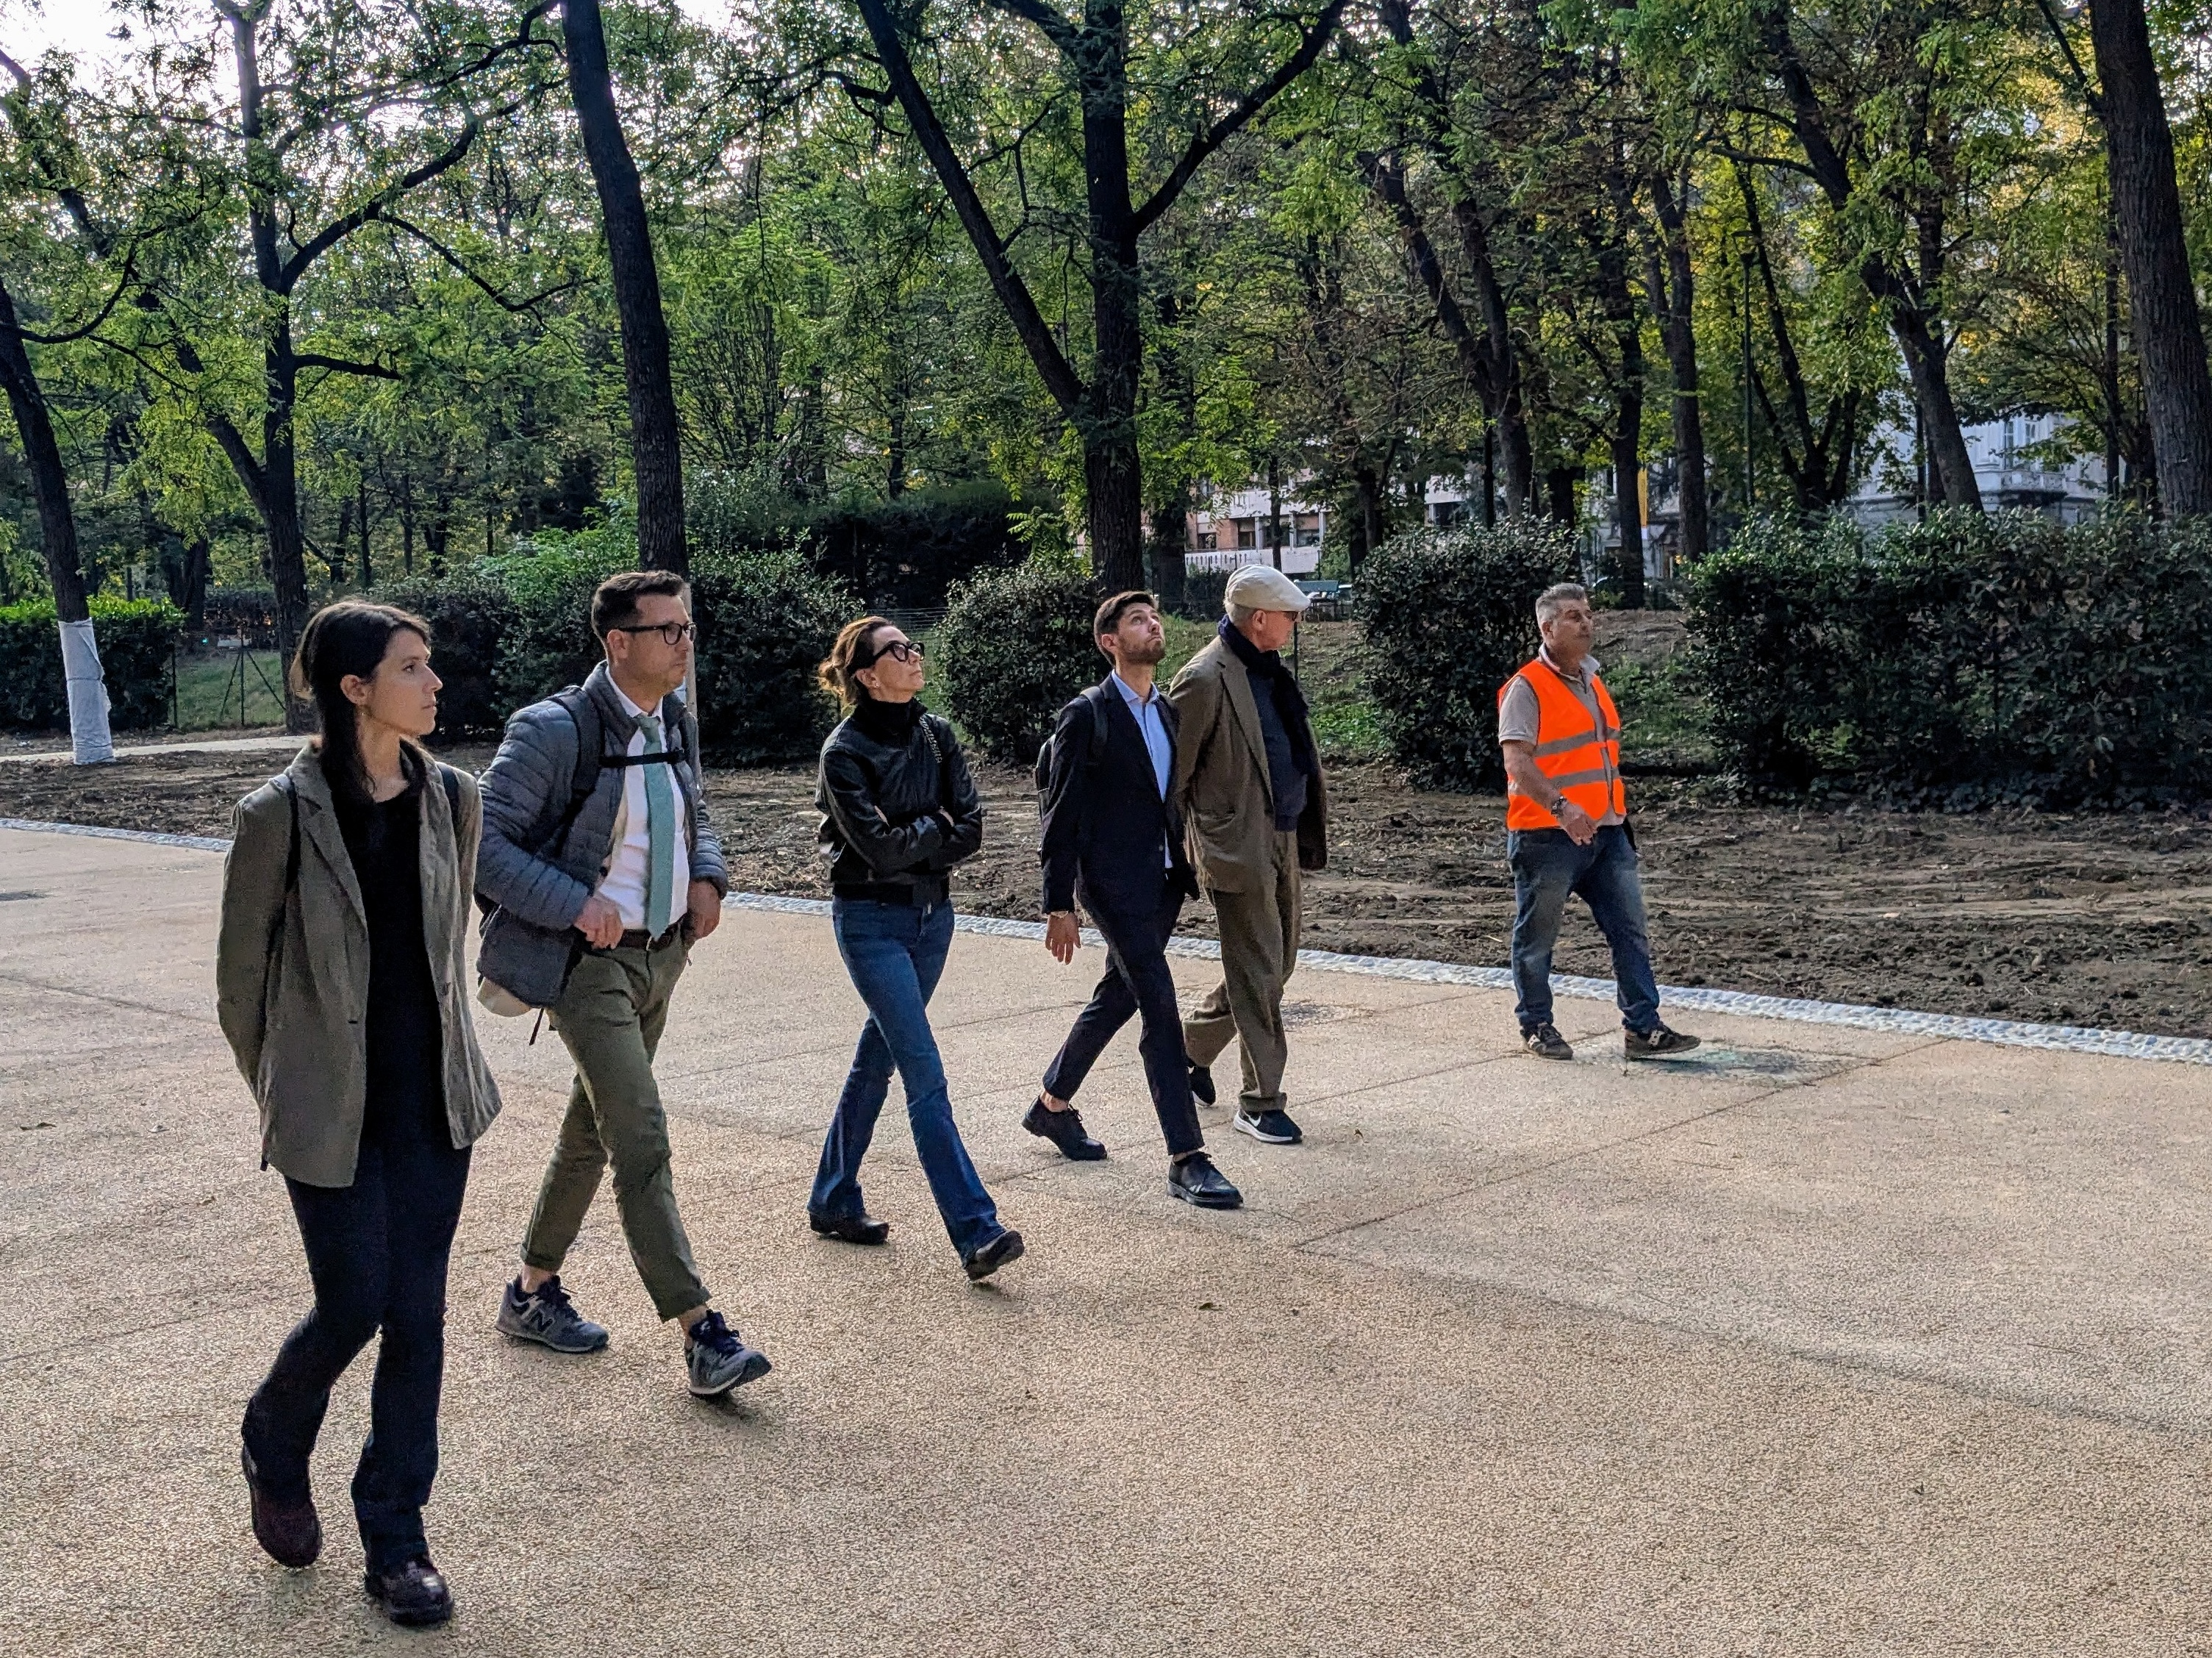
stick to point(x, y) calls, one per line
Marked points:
point(898, 810)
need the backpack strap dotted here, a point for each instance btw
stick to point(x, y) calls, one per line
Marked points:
point(585, 779)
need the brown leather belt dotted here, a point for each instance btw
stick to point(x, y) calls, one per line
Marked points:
point(638, 938)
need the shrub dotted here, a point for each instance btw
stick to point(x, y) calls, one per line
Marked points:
point(1200, 597)
point(1971, 657)
point(903, 553)
point(472, 617)
point(550, 583)
point(765, 620)
point(137, 640)
point(1014, 647)
point(1446, 617)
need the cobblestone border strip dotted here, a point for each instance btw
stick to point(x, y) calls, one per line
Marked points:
point(197, 842)
point(2010, 1033)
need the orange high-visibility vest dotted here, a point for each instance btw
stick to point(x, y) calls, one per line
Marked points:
point(1581, 759)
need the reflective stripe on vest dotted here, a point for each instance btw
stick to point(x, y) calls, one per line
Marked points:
point(1580, 759)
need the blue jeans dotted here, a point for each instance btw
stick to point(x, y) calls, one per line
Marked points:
point(377, 1252)
point(894, 953)
point(1547, 867)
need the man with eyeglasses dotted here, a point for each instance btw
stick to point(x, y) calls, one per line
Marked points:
point(604, 870)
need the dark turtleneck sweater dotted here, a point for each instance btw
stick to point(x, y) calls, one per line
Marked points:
point(1284, 730)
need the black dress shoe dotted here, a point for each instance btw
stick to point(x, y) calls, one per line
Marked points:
point(292, 1533)
point(862, 1228)
point(1064, 1130)
point(991, 1256)
point(414, 1595)
point(1196, 1180)
point(1202, 1083)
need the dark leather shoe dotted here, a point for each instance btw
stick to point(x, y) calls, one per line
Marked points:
point(991, 1256)
point(1064, 1130)
point(292, 1533)
point(1202, 1083)
point(414, 1595)
point(1196, 1180)
point(850, 1229)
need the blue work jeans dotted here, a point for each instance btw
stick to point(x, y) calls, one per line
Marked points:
point(1547, 868)
point(895, 952)
point(377, 1252)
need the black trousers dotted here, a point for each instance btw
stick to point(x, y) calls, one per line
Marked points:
point(377, 1253)
point(1137, 981)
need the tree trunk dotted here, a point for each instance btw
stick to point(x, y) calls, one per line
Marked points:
point(1170, 512)
point(1369, 521)
point(1628, 418)
point(655, 447)
point(1674, 298)
point(90, 743)
point(2164, 325)
point(1112, 465)
point(1559, 491)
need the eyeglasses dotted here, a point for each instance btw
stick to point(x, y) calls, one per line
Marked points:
point(673, 634)
point(900, 650)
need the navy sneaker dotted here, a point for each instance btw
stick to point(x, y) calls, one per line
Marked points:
point(718, 1359)
point(1273, 1127)
point(548, 1317)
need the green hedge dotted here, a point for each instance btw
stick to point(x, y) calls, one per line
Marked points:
point(137, 642)
point(903, 553)
point(1446, 616)
point(1014, 647)
point(765, 622)
point(473, 616)
point(1968, 657)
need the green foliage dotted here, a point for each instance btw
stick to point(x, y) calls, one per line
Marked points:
point(906, 552)
point(1448, 615)
point(473, 619)
point(1969, 658)
point(137, 640)
point(1014, 647)
point(765, 620)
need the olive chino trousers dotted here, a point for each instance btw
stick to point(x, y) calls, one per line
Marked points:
point(610, 1018)
point(1259, 949)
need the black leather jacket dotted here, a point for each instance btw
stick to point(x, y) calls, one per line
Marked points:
point(898, 807)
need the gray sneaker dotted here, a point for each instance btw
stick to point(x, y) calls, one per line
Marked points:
point(548, 1318)
point(719, 1359)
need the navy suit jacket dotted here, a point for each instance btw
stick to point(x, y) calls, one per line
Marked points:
point(1102, 826)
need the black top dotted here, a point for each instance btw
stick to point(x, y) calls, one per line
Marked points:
point(406, 1035)
point(1285, 731)
point(1103, 820)
point(898, 807)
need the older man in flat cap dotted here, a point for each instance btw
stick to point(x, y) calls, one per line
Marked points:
point(1248, 786)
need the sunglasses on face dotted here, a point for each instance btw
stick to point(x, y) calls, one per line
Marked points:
point(671, 633)
point(900, 650)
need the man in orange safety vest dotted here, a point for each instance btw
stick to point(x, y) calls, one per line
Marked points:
point(1566, 823)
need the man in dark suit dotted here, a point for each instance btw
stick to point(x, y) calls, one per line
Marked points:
point(1112, 839)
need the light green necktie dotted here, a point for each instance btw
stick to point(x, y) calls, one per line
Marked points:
point(660, 834)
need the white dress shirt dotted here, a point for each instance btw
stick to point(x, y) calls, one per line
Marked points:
point(629, 861)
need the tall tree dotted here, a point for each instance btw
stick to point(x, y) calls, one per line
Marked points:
point(655, 441)
point(1093, 57)
point(2169, 333)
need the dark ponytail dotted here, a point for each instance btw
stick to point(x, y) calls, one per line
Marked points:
point(348, 638)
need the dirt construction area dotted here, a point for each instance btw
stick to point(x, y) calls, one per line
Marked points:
point(2089, 919)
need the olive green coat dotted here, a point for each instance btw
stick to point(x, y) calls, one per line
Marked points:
point(291, 969)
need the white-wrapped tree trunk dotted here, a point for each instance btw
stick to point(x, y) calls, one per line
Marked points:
point(89, 741)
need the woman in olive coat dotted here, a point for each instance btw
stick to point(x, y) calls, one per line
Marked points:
point(342, 986)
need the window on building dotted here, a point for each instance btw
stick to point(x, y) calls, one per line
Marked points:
point(1247, 533)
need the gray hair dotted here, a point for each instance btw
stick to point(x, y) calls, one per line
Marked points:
point(1557, 597)
point(1241, 614)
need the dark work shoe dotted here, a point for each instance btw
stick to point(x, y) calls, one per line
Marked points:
point(1202, 1083)
point(548, 1317)
point(414, 1595)
point(719, 1360)
point(1546, 1043)
point(1196, 1180)
point(1656, 1043)
point(292, 1533)
point(862, 1228)
point(987, 1257)
point(1064, 1130)
point(1273, 1126)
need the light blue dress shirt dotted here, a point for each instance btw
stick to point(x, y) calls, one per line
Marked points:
point(1146, 711)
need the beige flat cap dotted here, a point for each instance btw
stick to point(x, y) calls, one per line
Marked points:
point(1263, 588)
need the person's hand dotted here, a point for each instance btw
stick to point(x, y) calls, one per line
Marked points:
point(706, 908)
point(1061, 935)
point(601, 923)
point(1581, 827)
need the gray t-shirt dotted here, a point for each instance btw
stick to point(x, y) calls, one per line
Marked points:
point(1519, 715)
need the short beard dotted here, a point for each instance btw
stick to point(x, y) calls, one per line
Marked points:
point(1148, 654)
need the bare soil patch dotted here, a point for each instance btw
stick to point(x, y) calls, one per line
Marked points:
point(2083, 919)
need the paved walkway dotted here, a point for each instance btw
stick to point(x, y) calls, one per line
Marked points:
point(194, 745)
point(1832, 1341)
